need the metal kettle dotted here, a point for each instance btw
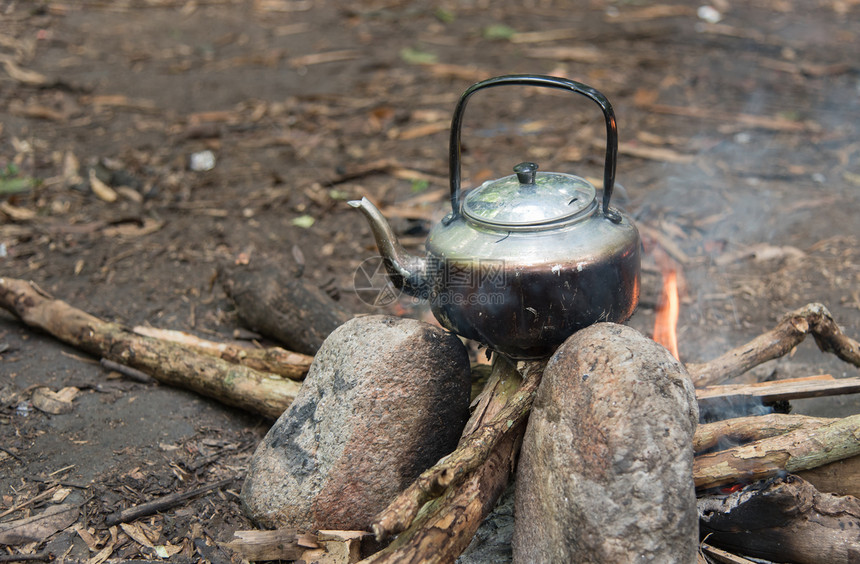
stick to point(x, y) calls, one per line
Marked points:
point(524, 261)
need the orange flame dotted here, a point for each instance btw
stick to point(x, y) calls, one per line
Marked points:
point(666, 323)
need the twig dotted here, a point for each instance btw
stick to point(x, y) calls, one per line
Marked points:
point(47, 493)
point(812, 319)
point(127, 371)
point(161, 504)
point(12, 454)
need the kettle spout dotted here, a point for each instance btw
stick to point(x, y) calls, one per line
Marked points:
point(408, 272)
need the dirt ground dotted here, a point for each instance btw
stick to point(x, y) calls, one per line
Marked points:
point(740, 159)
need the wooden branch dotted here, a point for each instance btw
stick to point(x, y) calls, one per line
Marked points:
point(274, 360)
point(780, 390)
point(278, 544)
point(500, 408)
point(272, 300)
point(732, 432)
point(800, 449)
point(168, 363)
point(446, 525)
point(722, 556)
point(789, 332)
point(162, 503)
point(784, 520)
point(841, 477)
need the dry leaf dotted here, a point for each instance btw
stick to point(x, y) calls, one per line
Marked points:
point(38, 527)
point(167, 550)
point(60, 495)
point(105, 553)
point(100, 189)
point(134, 531)
point(87, 537)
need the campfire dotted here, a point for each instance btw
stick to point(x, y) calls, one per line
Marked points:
point(764, 483)
point(774, 486)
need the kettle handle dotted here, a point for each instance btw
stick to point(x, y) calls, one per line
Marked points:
point(549, 82)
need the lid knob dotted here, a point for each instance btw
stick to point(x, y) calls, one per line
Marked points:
point(526, 173)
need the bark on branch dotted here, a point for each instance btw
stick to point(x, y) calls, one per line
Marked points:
point(798, 450)
point(167, 362)
point(812, 319)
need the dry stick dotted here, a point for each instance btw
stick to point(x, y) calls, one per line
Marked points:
point(445, 526)
point(483, 432)
point(161, 503)
point(275, 360)
point(798, 450)
point(753, 428)
point(128, 372)
point(789, 332)
point(168, 363)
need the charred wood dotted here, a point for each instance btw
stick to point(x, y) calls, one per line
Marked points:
point(784, 520)
point(273, 301)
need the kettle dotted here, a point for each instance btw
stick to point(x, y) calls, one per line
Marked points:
point(522, 262)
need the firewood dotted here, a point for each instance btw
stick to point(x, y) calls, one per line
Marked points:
point(167, 362)
point(446, 525)
point(733, 432)
point(502, 405)
point(780, 390)
point(812, 319)
point(277, 544)
point(721, 556)
point(798, 450)
point(841, 477)
point(273, 301)
point(784, 520)
point(274, 360)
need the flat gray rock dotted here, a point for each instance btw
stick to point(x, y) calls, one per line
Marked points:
point(605, 473)
point(385, 398)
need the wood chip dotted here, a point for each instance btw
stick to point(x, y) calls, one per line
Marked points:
point(279, 544)
point(55, 403)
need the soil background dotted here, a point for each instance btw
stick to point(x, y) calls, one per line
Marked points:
point(739, 159)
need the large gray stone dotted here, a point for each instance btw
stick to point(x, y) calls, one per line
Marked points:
point(605, 473)
point(385, 398)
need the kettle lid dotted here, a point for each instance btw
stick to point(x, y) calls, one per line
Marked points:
point(530, 200)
